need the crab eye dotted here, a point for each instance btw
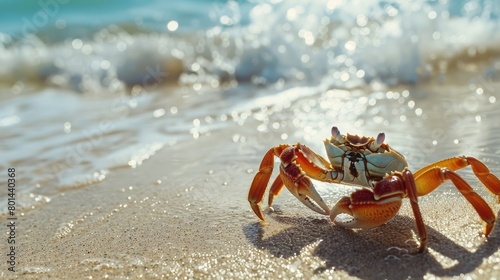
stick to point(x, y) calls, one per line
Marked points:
point(378, 142)
point(337, 136)
point(335, 132)
point(380, 138)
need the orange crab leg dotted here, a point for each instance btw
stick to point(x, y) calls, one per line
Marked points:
point(485, 176)
point(480, 170)
point(315, 166)
point(366, 211)
point(435, 176)
point(259, 183)
point(411, 192)
point(275, 189)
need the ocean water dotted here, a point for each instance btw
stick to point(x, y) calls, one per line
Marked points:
point(87, 87)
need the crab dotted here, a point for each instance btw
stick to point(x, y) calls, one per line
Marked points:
point(381, 173)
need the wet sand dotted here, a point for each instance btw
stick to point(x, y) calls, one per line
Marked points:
point(183, 213)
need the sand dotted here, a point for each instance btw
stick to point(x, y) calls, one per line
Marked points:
point(183, 213)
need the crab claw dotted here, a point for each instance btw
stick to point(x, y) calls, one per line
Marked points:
point(378, 142)
point(293, 163)
point(305, 192)
point(366, 212)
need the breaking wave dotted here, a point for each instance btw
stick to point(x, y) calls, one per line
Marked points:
point(342, 43)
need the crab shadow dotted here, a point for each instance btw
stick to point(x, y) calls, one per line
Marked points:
point(377, 253)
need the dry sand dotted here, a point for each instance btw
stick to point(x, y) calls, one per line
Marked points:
point(183, 214)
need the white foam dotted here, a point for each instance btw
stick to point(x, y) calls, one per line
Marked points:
point(339, 41)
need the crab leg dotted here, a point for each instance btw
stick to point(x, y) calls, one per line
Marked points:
point(315, 166)
point(275, 190)
point(480, 170)
point(259, 183)
point(411, 192)
point(435, 176)
point(485, 176)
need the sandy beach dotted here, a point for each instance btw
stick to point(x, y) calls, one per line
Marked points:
point(183, 214)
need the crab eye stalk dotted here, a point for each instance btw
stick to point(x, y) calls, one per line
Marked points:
point(380, 139)
point(378, 142)
point(336, 134)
